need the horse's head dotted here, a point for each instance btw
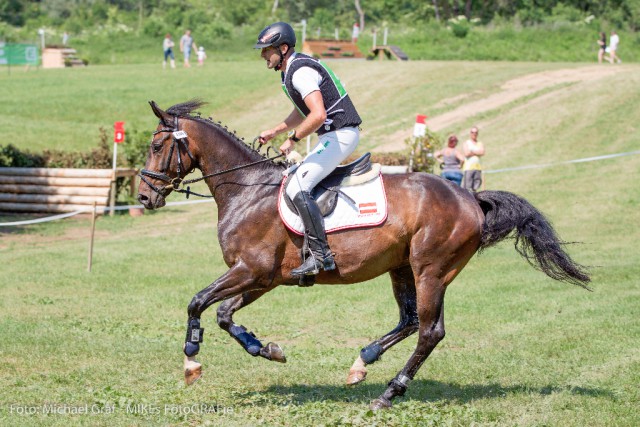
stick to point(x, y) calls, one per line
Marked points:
point(170, 158)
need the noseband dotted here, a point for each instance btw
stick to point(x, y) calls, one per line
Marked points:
point(173, 184)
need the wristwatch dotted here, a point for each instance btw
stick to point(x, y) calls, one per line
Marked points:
point(292, 135)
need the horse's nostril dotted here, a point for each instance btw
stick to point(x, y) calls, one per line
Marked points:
point(142, 198)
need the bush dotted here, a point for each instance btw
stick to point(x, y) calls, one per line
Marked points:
point(12, 157)
point(98, 158)
point(460, 26)
point(421, 151)
point(136, 148)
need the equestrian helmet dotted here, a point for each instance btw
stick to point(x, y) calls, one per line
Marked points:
point(275, 35)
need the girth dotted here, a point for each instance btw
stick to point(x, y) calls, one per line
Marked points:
point(326, 192)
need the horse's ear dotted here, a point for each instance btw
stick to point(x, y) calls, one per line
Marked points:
point(162, 115)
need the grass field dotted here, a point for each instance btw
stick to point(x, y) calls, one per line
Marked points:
point(520, 348)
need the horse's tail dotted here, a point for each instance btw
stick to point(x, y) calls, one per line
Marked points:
point(535, 238)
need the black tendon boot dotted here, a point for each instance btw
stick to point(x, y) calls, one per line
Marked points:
point(312, 219)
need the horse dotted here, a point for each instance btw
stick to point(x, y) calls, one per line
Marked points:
point(432, 230)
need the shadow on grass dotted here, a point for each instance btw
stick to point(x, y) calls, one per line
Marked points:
point(421, 390)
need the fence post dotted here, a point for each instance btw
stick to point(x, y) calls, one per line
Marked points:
point(93, 232)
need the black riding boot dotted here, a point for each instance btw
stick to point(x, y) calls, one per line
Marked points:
point(312, 219)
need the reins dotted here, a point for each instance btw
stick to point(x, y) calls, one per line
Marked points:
point(174, 184)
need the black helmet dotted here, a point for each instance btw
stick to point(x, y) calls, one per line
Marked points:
point(275, 35)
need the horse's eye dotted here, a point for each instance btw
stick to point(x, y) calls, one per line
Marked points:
point(156, 146)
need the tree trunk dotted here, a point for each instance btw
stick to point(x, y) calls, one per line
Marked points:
point(360, 13)
point(275, 6)
point(435, 8)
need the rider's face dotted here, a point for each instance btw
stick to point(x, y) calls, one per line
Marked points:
point(270, 54)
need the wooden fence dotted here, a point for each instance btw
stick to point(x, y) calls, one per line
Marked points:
point(40, 190)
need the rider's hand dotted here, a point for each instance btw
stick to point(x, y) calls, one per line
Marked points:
point(266, 136)
point(287, 146)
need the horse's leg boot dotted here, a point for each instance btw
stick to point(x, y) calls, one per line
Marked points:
point(312, 219)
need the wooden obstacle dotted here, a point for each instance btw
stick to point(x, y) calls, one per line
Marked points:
point(389, 52)
point(39, 190)
point(60, 57)
point(327, 48)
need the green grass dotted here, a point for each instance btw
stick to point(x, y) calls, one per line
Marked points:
point(65, 108)
point(520, 348)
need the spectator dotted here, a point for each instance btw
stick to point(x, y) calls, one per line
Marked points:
point(614, 40)
point(355, 33)
point(201, 56)
point(473, 150)
point(602, 43)
point(450, 161)
point(186, 43)
point(65, 38)
point(167, 47)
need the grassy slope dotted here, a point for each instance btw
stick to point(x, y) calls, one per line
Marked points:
point(520, 349)
point(65, 108)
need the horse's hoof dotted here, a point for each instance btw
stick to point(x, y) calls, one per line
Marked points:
point(192, 371)
point(272, 351)
point(380, 403)
point(356, 377)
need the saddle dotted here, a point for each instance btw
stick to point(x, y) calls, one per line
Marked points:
point(327, 191)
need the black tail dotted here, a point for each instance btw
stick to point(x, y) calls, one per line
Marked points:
point(535, 238)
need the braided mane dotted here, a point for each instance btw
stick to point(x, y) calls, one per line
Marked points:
point(186, 109)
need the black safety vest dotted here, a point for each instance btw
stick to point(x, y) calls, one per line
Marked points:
point(340, 110)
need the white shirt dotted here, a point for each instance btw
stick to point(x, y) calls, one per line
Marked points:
point(613, 42)
point(305, 80)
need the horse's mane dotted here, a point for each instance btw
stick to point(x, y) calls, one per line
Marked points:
point(186, 109)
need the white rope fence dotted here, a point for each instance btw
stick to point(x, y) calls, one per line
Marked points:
point(189, 202)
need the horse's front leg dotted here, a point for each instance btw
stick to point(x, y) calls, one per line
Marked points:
point(237, 280)
point(247, 339)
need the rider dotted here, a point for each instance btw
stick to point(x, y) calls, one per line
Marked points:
point(322, 106)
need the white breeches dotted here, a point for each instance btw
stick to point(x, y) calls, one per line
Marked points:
point(332, 149)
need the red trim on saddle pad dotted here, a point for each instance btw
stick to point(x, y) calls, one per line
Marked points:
point(372, 209)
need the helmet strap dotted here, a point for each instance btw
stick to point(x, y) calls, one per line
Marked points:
point(282, 56)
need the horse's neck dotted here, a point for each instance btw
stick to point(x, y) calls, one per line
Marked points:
point(221, 152)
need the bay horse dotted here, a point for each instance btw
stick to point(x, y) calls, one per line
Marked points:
point(432, 230)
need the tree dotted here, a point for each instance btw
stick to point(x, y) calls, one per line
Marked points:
point(360, 14)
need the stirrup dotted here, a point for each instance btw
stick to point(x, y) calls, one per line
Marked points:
point(309, 267)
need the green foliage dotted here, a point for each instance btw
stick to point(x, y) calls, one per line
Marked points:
point(10, 156)
point(97, 158)
point(460, 26)
point(136, 148)
point(421, 151)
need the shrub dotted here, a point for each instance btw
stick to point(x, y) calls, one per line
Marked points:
point(97, 158)
point(136, 148)
point(421, 151)
point(460, 26)
point(11, 156)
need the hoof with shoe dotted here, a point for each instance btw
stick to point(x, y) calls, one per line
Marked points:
point(357, 372)
point(356, 376)
point(380, 403)
point(192, 370)
point(272, 351)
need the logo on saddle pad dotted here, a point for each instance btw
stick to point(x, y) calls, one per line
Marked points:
point(359, 204)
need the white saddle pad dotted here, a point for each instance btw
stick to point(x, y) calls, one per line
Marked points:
point(369, 210)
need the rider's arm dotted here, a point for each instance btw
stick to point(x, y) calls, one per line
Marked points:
point(293, 120)
point(311, 123)
point(316, 117)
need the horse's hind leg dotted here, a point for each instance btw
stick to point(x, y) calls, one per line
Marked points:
point(431, 316)
point(404, 291)
point(247, 339)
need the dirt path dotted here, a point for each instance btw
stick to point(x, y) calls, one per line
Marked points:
point(511, 91)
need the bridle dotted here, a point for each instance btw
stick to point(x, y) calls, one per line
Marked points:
point(173, 184)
